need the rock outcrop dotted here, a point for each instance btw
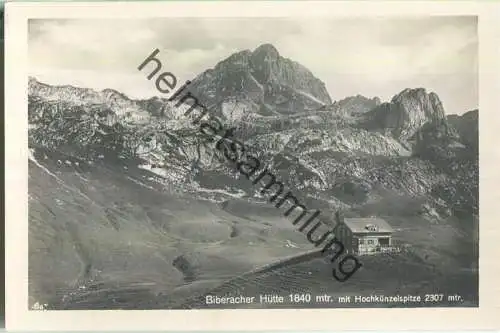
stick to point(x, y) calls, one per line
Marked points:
point(355, 105)
point(407, 112)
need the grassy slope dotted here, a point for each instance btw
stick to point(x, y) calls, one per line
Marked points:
point(105, 237)
point(438, 261)
point(95, 226)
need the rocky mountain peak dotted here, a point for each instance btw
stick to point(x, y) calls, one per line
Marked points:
point(420, 103)
point(262, 82)
point(413, 92)
point(407, 112)
point(266, 52)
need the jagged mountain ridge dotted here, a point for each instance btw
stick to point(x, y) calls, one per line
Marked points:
point(313, 149)
point(122, 107)
point(159, 134)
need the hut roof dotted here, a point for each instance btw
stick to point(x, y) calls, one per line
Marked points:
point(368, 225)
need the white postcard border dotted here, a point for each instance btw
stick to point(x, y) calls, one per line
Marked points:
point(18, 317)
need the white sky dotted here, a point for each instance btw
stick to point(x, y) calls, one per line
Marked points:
point(372, 57)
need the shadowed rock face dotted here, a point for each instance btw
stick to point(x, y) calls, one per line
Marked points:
point(263, 79)
point(411, 109)
point(407, 112)
point(467, 127)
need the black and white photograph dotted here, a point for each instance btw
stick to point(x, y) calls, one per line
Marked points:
point(232, 162)
point(140, 199)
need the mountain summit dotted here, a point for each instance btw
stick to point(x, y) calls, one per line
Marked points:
point(407, 112)
point(260, 82)
point(267, 51)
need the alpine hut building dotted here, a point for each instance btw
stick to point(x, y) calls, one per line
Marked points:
point(364, 236)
